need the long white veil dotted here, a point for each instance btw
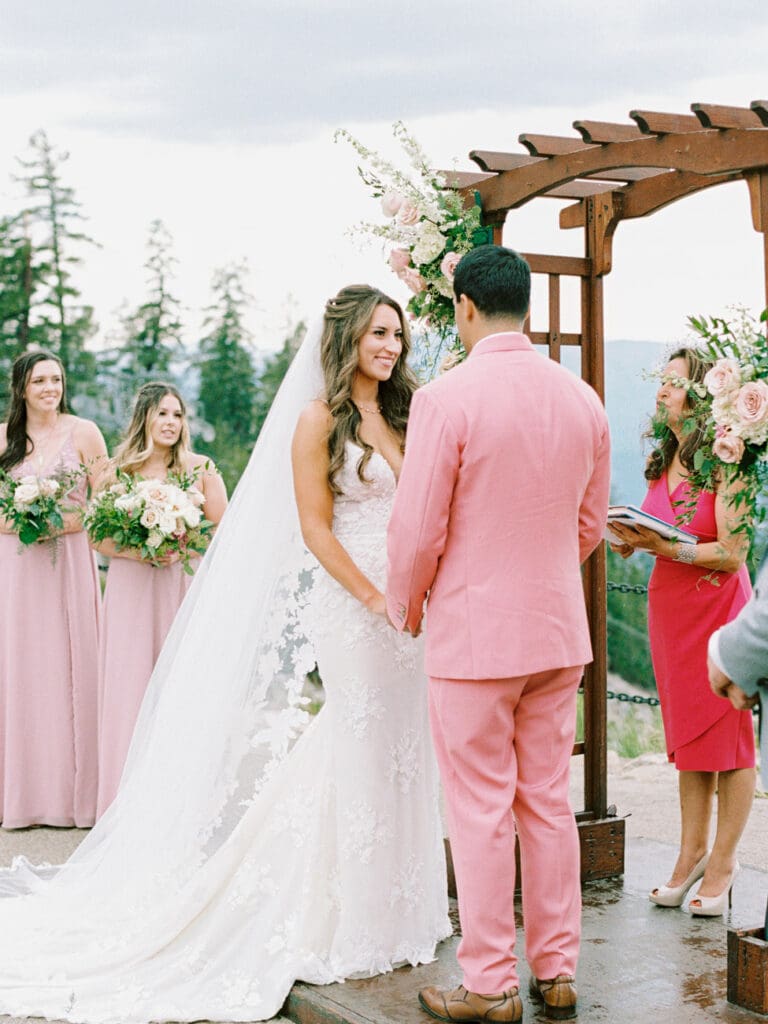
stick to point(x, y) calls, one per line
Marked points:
point(222, 709)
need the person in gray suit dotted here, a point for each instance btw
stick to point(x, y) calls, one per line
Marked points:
point(738, 660)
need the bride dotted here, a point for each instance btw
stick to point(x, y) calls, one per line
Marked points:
point(249, 848)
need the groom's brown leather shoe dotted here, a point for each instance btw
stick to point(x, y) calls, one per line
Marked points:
point(558, 995)
point(458, 1004)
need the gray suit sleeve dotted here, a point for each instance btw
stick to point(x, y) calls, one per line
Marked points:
point(743, 643)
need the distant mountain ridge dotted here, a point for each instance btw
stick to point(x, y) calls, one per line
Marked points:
point(629, 401)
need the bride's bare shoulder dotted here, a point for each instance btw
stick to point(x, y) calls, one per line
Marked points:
point(315, 418)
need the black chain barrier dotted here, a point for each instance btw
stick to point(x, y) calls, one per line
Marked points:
point(627, 588)
point(633, 698)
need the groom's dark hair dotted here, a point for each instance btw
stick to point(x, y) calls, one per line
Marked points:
point(497, 279)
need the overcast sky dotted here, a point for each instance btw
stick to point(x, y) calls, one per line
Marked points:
point(218, 118)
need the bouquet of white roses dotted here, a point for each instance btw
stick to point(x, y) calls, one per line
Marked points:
point(152, 517)
point(734, 449)
point(35, 506)
point(429, 226)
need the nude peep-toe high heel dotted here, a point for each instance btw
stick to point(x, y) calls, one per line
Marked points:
point(715, 906)
point(673, 895)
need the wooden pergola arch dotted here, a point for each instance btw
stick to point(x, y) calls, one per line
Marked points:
point(614, 172)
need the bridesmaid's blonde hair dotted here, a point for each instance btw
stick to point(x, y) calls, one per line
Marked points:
point(137, 445)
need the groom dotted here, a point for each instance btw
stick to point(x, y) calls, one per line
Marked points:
point(502, 496)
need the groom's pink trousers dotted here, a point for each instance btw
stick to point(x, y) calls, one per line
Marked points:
point(504, 748)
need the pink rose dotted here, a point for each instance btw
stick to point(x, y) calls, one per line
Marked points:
point(724, 375)
point(408, 215)
point(728, 447)
point(150, 518)
point(449, 264)
point(752, 402)
point(413, 279)
point(391, 203)
point(399, 259)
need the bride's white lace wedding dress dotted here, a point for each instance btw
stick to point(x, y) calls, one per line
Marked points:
point(334, 868)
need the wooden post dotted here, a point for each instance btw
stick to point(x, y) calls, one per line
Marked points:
point(595, 587)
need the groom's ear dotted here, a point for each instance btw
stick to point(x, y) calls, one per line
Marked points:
point(466, 307)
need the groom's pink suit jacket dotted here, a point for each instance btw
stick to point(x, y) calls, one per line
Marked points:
point(502, 496)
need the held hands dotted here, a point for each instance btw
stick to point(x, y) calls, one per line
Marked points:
point(378, 605)
point(722, 686)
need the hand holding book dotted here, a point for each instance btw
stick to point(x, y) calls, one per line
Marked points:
point(630, 515)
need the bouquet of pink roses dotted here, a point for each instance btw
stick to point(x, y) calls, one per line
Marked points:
point(735, 426)
point(155, 518)
point(35, 506)
point(428, 228)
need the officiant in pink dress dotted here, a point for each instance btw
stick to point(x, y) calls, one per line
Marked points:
point(693, 590)
point(141, 598)
point(49, 613)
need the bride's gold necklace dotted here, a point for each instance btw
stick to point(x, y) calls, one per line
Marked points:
point(367, 408)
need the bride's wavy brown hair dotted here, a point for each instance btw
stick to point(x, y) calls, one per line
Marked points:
point(347, 318)
point(665, 441)
point(137, 445)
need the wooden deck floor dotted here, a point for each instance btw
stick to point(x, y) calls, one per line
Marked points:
point(638, 963)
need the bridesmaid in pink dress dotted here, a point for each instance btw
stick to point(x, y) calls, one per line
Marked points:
point(693, 590)
point(49, 616)
point(141, 598)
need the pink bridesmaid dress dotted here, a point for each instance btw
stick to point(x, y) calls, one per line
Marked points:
point(49, 639)
point(686, 604)
point(140, 603)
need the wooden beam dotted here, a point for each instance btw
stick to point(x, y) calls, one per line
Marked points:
point(542, 338)
point(708, 152)
point(760, 107)
point(758, 198)
point(567, 266)
point(490, 160)
point(651, 122)
point(552, 145)
point(578, 189)
point(605, 131)
point(713, 116)
point(554, 317)
point(603, 214)
point(645, 197)
point(464, 179)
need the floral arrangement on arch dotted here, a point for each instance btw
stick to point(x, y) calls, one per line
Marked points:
point(35, 506)
point(155, 518)
point(428, 228)
point(734, 448)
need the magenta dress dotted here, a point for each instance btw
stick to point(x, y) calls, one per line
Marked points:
point(49, 638)
point(703, 732)
point(140, 603)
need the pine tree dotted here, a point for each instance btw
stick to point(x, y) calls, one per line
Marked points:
point(154, 329)
point(56, 317)
point(227, 386)
point(271, 376)
point(150, 341)
point(17, 281)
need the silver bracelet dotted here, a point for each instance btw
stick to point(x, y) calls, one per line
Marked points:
point(686, 553)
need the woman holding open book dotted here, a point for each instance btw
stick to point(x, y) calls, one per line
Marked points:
point(693, 590)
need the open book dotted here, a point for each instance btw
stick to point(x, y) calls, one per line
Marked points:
point(633, 516)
